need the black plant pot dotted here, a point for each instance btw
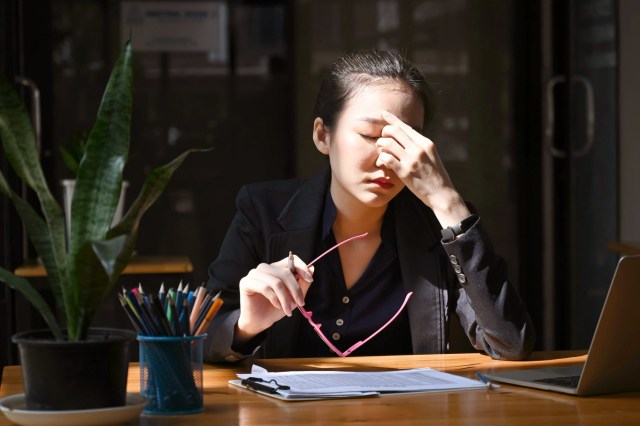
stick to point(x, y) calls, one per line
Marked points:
point(63, 375)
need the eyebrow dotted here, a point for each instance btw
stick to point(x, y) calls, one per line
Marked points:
point(372, 120)
point(381, 122)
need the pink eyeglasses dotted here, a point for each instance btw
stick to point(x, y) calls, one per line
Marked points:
point(316, 326)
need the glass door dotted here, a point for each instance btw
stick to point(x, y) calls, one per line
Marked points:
point(580, 152)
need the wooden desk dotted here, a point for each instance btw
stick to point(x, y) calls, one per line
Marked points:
point(507, 405)
point(625, 247)
point(138, 265)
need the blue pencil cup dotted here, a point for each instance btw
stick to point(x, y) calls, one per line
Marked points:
point(171, 374)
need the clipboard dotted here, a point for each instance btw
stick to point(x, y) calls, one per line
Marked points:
point(328, 384)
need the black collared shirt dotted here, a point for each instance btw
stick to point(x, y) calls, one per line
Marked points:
point(350, 315)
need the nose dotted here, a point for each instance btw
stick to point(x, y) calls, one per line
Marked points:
point(374, 153)
point(374, 161)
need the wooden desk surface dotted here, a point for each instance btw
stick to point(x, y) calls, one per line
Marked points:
point(625, 247)
point(507, 405)
point(138, 265)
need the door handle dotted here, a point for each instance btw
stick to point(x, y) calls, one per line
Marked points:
point(35, 107)
point(591, 115)
point(549, 131)
point(551, 116)
point(37, 128)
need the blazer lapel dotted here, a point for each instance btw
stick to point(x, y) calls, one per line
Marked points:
point(299, 220)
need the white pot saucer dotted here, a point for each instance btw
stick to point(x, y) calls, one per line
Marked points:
point(14, 407)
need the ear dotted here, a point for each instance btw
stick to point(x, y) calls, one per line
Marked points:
point(320, 136)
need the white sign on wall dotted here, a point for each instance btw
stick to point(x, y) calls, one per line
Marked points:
point(176, 26)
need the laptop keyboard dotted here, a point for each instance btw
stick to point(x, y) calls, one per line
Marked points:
point(566, 381)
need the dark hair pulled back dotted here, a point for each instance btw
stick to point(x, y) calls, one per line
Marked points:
point(356, 70)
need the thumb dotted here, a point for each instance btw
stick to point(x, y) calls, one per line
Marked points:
point(304, 284)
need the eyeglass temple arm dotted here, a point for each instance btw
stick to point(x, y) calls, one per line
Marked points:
point(348, 240)
point(362, 342)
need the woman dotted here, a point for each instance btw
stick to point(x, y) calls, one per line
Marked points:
point(422, 241)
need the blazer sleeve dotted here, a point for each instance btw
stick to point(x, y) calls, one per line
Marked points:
point(490, 310)
point(241, 250)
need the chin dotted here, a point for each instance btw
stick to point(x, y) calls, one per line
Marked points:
point(374, 200)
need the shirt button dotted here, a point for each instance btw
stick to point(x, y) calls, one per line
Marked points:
point(462, 278)
point(335, 336)
point(453, 259)
point(457, 268)
point(345, 300)
point(339, 322)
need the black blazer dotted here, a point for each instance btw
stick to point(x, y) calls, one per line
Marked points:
point(448, 312)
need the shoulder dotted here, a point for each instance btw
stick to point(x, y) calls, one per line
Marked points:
point(265, 188)
point(273, 192)
point(278, 193)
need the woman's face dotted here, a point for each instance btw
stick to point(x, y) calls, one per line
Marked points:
point(351, 147)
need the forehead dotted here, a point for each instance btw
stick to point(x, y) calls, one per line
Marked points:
point(367, 103)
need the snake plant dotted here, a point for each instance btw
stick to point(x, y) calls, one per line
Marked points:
point(81, 273)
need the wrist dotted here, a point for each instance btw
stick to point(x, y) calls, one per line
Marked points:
point(244, 332)
point(451, 233)
point(449, 207)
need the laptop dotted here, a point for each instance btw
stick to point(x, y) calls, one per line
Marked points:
point(613, 361)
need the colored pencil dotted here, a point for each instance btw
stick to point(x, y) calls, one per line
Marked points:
point(183, 313)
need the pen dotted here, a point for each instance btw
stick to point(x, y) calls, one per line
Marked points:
point(204, 308)
point(171, 295)
point(184, 317)
point(185, 296)
point(258, 384)
point(145, 315)
point(191, 298)
point(174, 321)
point(132, 316)
point(484, 379)
point(161, 294)
point(161, 316)
point(213, 310)
point(292, 268)
point(195, 312)
point(178, 298)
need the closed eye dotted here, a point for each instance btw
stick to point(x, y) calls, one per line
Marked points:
point(368, 138)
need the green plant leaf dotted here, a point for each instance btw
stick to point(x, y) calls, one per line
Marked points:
point(108, 252)
point(23, 155)
point(39, 236)
point(18, 140)
point(69, 160)
point(4, 186)
point(99, 177)
point(154, 185)
point(48, 238)
point(73, 151)
point(103, 265)
point(31, 294)
point(96, 194)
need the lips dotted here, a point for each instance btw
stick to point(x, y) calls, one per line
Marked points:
point(384, 183)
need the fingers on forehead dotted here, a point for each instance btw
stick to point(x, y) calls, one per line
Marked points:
point(395, 131)
point(395, 121)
